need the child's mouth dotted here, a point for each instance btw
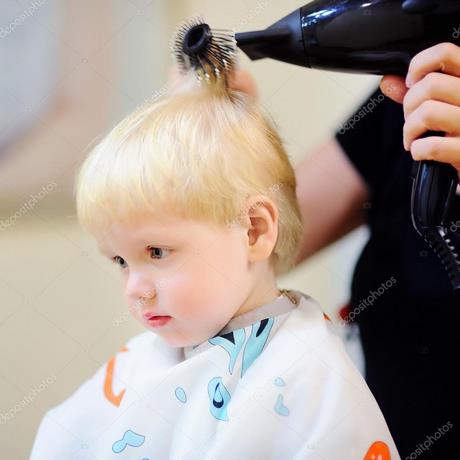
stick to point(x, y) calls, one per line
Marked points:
point(158, 321)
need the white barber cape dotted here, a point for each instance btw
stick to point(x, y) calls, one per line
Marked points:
point(275, 383)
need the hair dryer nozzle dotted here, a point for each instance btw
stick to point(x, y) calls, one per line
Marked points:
point(250, 41)
point(282, 41)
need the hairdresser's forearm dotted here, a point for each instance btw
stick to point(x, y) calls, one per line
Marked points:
point(315, 238)
point(331, 196)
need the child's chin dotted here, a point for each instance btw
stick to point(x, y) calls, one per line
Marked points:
point(182, 343)
point(177, 342)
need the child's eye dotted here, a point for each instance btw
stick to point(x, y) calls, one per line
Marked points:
point(157, 252)
point(119, 261)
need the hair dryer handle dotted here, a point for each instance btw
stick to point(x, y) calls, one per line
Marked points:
point(434, 187)
point(432, 193)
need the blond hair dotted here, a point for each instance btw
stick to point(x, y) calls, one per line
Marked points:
point(199, 153)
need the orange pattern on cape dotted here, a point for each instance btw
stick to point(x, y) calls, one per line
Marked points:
point(108, 390)
point(378, 451)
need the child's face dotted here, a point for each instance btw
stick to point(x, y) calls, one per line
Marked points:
point(191, 271)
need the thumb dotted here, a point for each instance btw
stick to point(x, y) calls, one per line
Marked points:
point(394, 87)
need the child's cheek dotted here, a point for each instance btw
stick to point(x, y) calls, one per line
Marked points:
point(194, 290)
point(196, 295)
point(209, 286)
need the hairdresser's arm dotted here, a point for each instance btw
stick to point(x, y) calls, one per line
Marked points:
point(331, 196)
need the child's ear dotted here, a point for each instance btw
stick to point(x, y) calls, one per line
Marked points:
point(262, 227)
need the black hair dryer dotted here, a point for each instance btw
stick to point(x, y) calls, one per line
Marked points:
point(375, 37)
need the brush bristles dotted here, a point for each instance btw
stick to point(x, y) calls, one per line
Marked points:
point(214, 60)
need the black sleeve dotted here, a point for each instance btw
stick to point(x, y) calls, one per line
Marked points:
point(372, 138)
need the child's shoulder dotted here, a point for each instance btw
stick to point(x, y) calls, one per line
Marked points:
point(308, 301)
point(310, 312)
point(309, 331)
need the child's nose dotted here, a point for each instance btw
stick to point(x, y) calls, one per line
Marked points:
point(139, 288)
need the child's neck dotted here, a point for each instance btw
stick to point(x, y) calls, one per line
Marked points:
point(265, 291)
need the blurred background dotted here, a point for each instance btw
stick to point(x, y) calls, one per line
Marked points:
point(70, 70)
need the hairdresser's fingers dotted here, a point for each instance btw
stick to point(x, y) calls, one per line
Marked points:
point(431, 116)
point(241, 80)
point(444, 57)
point(434, 86)
point(443, 149)
point(394, 87)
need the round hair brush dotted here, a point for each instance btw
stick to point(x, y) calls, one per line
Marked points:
point(209, 53)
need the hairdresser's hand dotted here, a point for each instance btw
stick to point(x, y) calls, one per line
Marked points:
point(430, 95)
point(240, 80)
